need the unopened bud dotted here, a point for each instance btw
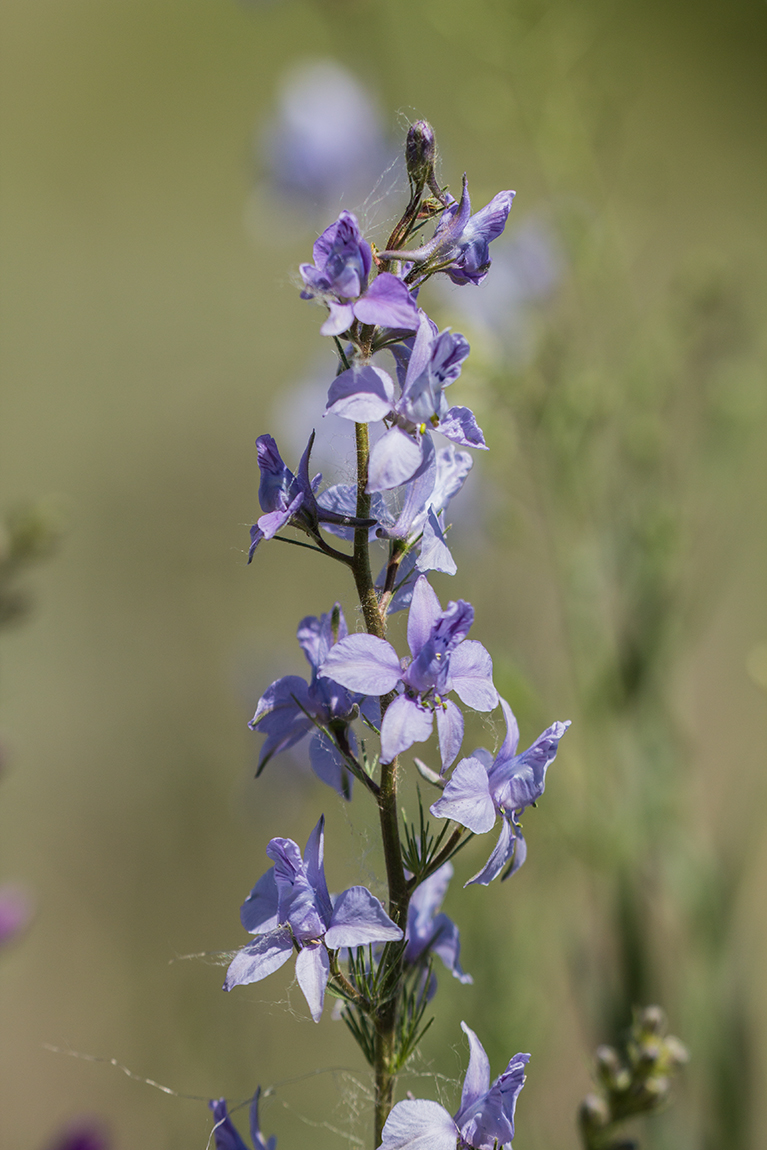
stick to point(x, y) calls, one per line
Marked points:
point(335, 621)
point(594, 1112)
point(652, 1019)
point(607, 1060)
point(657, 1090)
point(420, 153)
point(675, 1051)
point(649, 1052)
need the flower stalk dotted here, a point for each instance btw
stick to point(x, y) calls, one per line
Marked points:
point(402, 488)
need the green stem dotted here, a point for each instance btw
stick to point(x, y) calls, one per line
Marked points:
point(385, 1014)
point(375, 624)
point(343, 983)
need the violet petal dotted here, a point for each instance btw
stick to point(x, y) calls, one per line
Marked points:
point(460, 425)
point(389, 303)
point(466, 798)
point(405, 722)
point(450, 731)
point(425, 612)
point(363, 663)
point(471, 676)
point(418, 1124)
point(313, 972)
point(358, 919)
point(363, 394)
point(394, 459)
point(476, 1083)
point(260, 958)
point(258, 914)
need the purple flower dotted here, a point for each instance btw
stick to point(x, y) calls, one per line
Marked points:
point(460, 244)
point(225, 1132)
point(15, 912)
point(286, 498)
point(434, 363)
point(290, 908)
point(442, 660)
point(290, 708)
point(480, 788)
point(429, 932)
point(421, 520)
point(485, 1118)
point(339, 278)
point(418, 523)
point(365, 393)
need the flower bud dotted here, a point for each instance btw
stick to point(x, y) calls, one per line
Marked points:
point(608, 1063)
point(420, 152)
point(652, 1019)
point(675, 1051)
point(594, 1112)
point(648, 1053)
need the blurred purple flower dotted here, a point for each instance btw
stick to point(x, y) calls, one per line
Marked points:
point(290, 907)
point(324, 145)
point(485, 1118)
point(16, 910)
point(527, 267)
point(225, 1133)
point(480, 788)
point(339, 279)
point(442, 660)
point(429, 932)
point(85, 1134)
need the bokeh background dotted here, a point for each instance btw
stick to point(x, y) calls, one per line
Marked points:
point(612, 540)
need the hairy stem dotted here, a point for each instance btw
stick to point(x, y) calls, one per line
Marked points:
point(375, 624)
point(385, 1014)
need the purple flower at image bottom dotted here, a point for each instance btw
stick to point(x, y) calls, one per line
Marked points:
point(225, 1132)
point(482, 787)
point(84, 1134)
point(485, 1117)
point(290, 908)
point(442, 660)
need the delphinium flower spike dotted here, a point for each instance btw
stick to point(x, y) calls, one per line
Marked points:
point(402, 487)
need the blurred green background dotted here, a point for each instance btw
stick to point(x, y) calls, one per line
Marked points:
point(150, 318)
